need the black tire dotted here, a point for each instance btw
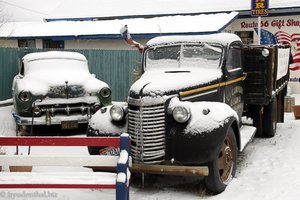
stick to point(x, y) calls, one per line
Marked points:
point(270, 119)
point(222, 169)
point(256, 115)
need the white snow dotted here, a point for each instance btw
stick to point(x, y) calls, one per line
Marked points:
point(199, 122)
point(45, 69)
point(165, 80)
point(267, 169)
point(219, 38)
point(121, 177)
point(123, 157)
point(104, 117)
point(184, 24)
point(38, 10)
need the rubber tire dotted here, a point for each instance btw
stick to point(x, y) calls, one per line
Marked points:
point(270, 119)
point(213, 181)
point(257, 120)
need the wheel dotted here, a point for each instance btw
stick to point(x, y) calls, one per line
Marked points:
point(270, 119)
point(222, 169)
point(256, 115)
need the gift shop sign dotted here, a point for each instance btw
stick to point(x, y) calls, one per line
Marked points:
point(259, 8)
point(276, 23)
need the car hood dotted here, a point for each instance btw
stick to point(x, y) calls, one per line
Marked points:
point(164, 82)
point(38, 85)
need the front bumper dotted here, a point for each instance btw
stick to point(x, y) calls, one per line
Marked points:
point(55, 120)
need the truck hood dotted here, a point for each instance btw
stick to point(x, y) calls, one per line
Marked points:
point(165, 82)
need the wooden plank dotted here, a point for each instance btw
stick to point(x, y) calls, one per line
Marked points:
point(170, 169)
point(32, 160)
point(57, 180)
point(59, 141)
point(61, 186)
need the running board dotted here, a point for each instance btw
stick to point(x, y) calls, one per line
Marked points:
point(247, 133)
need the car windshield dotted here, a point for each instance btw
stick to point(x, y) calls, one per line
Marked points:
point(184, 56)
point(51, 67)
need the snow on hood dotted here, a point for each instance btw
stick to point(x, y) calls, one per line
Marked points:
point(43, 70)
point(199, 123)
point(158, 82)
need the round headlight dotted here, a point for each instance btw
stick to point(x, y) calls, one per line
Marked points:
point(181, 114)
point(24, 96)
point(105, 92)
point(116, 113)
point(37, 111)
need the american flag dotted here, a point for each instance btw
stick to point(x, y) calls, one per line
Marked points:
point(294, 41)
point(127, 37)
point(266, 37)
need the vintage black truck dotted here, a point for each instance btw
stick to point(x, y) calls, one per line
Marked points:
point(184, 114)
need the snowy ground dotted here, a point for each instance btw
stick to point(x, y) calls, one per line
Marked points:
point(267, 169)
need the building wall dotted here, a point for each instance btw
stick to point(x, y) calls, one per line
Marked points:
point(109, 44)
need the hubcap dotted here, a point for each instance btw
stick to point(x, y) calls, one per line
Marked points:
point(226, 160)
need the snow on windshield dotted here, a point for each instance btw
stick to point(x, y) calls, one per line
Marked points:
point(194, 56)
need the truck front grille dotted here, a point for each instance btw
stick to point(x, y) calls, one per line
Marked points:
point(147, 130)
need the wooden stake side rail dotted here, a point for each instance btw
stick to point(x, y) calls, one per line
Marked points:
point(92, 180)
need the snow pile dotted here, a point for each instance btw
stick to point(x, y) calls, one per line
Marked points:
point(199, 122)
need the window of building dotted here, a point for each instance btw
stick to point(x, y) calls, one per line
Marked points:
point(246, 36)
point(48, 43)
point(26, 43)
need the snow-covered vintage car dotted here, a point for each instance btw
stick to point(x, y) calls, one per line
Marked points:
point(56, 88)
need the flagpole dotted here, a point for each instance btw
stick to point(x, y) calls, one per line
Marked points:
point(259, 32)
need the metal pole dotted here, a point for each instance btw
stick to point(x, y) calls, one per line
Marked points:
point(259, 30)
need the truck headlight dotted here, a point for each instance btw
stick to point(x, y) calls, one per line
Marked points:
point(105, 92)
point(116, 113)
point(24, 96)
point(181, 114)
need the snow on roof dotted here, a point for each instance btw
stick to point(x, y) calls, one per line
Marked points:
point(221, 38)
point(110, 8)
point(180, 24)
point(54, 54)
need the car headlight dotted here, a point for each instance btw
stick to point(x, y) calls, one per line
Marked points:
point(105, 92)
point(181, 114)
point(37, 111)
point(24, 96)
point(116, 113)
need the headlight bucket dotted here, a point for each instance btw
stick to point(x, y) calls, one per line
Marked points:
point(117, 113)
point(105, 92)
point(24, 96)
point(181, 114)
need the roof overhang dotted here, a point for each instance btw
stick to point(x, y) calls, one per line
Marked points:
point(109, 29)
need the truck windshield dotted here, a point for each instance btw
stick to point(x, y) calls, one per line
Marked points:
point(184, 56)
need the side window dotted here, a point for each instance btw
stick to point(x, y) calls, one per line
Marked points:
point(234, 58)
